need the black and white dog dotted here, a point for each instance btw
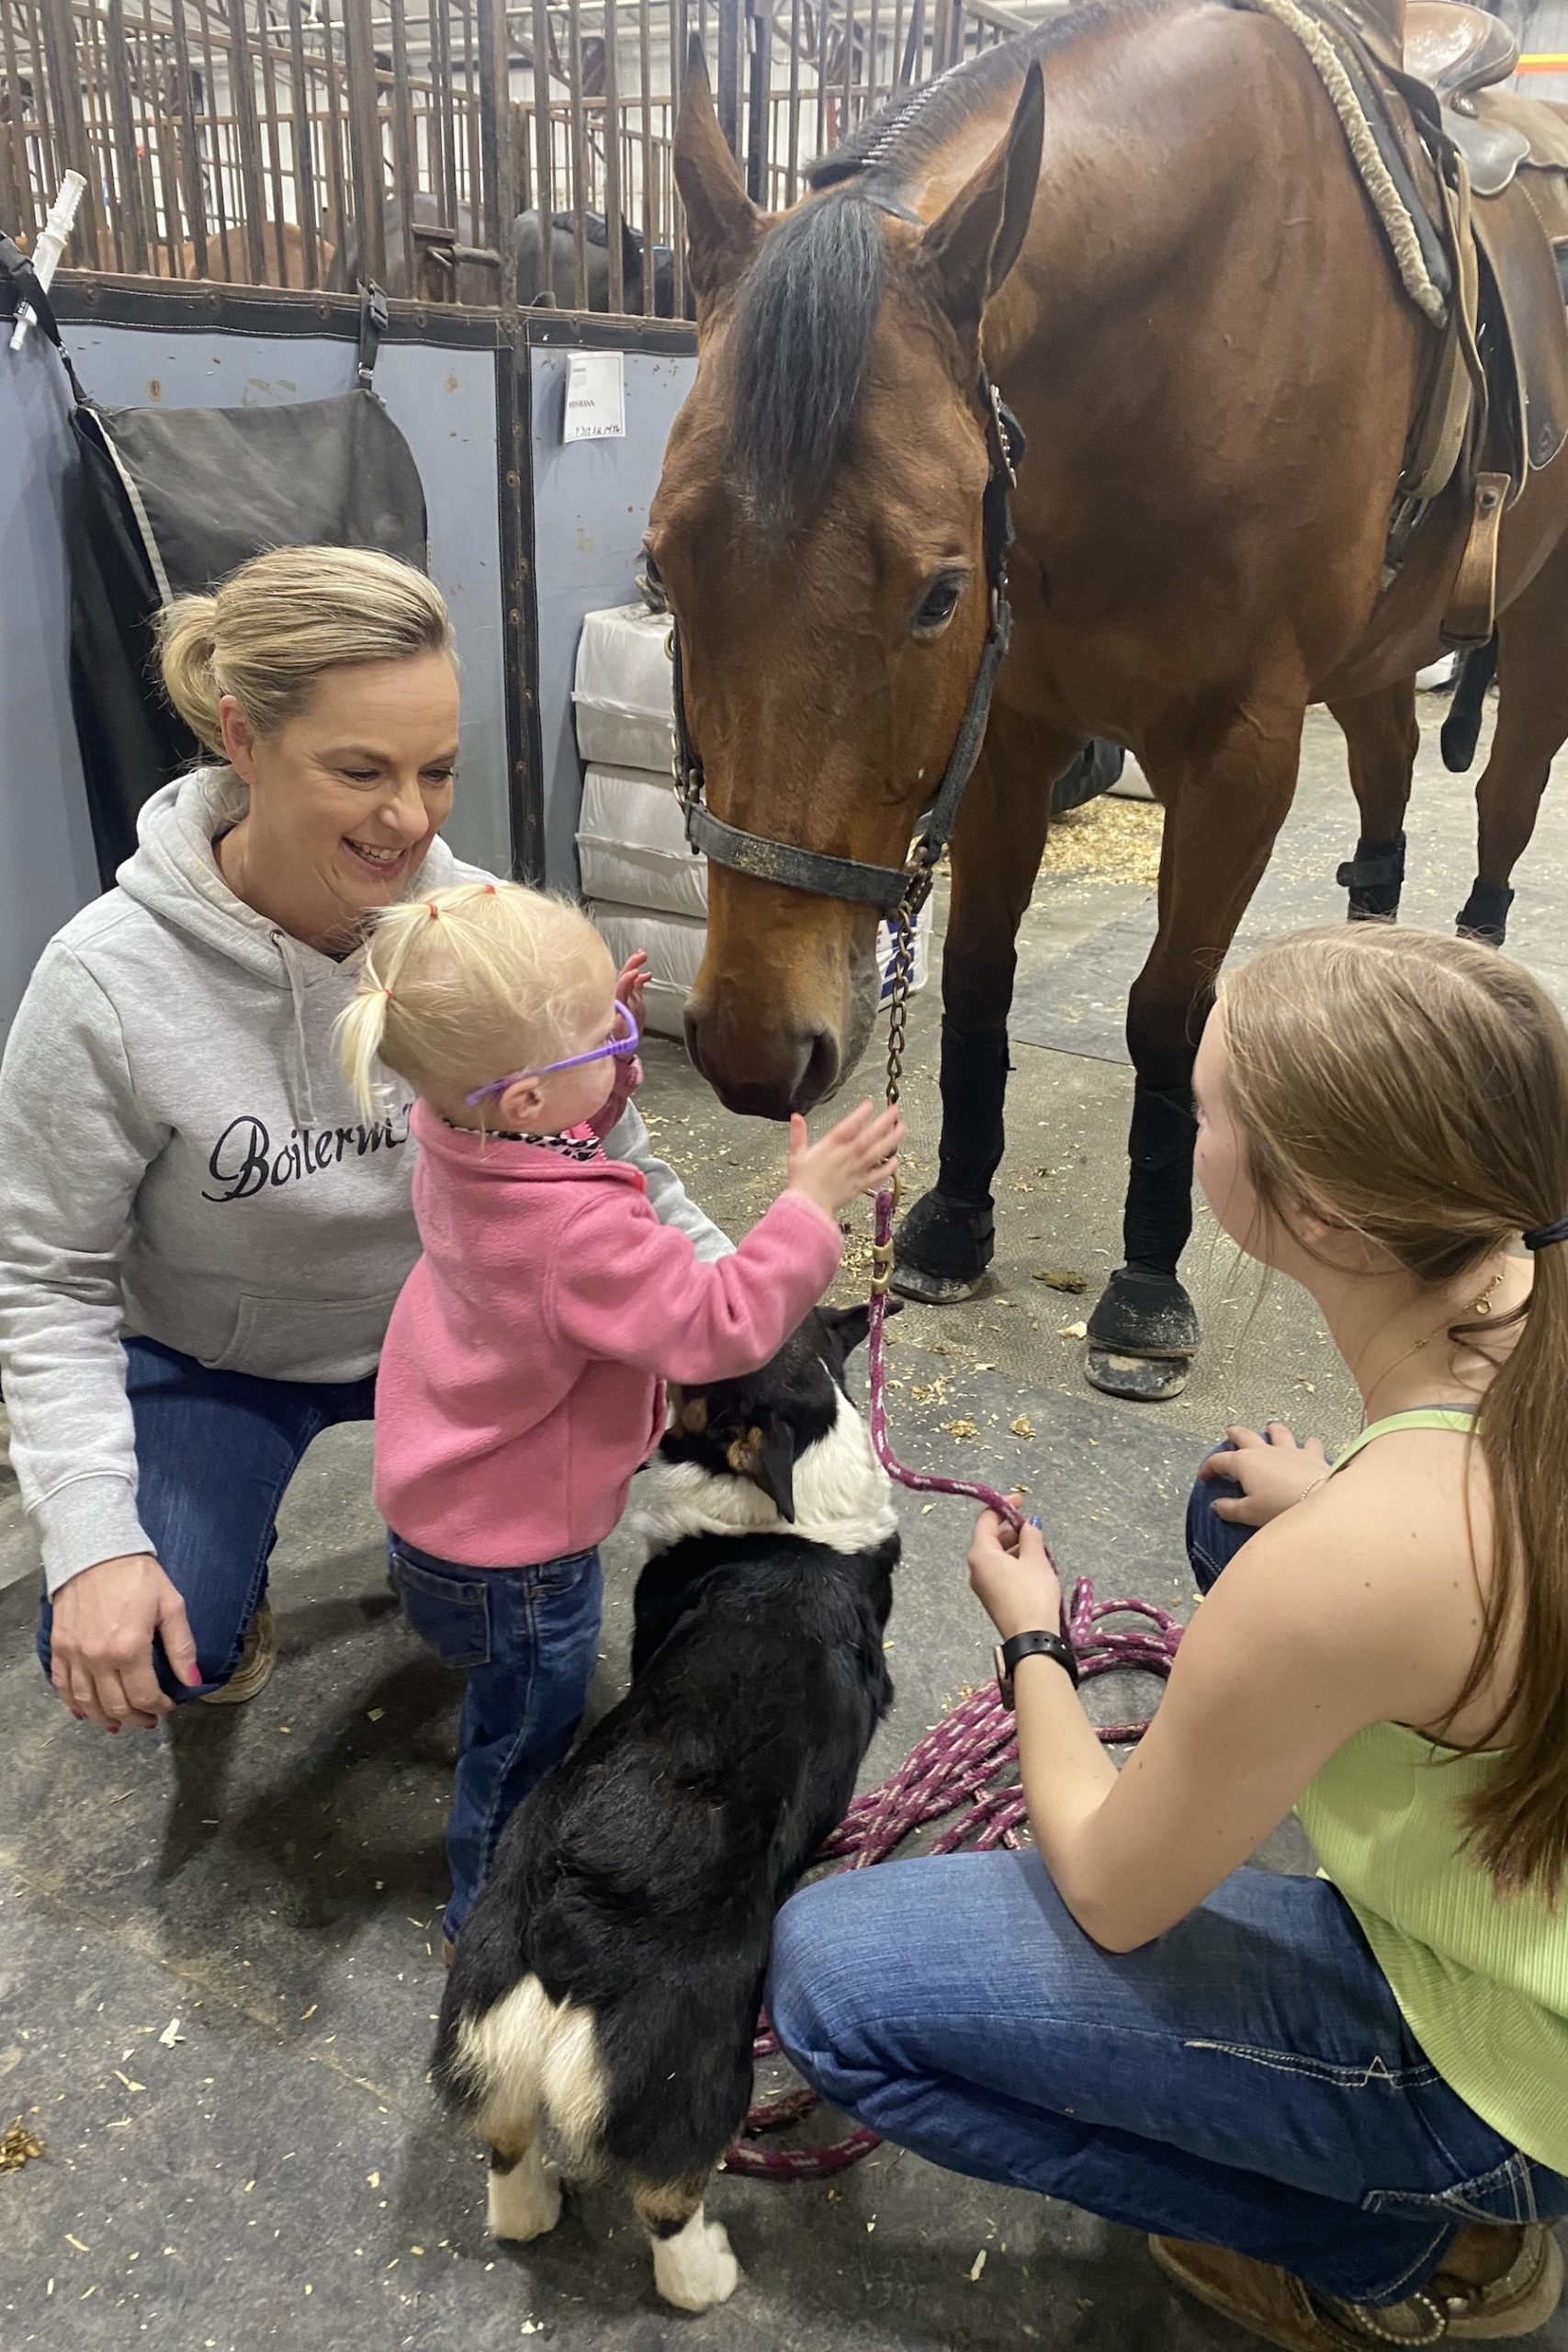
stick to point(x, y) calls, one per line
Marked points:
point(604, 1992)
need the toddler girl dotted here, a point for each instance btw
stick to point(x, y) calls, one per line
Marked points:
point(521, 1381)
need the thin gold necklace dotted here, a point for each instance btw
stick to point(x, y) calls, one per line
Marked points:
point(1480, 1307)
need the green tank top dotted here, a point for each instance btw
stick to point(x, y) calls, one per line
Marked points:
point(1482, 1982)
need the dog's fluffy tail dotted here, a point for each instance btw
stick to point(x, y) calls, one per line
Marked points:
point(523, 2062)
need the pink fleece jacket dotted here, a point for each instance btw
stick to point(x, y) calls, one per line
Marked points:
point(520, 1384)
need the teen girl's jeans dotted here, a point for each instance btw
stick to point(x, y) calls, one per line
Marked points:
point(1246, 2079)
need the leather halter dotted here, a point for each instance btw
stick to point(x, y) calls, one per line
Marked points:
point(889, 887)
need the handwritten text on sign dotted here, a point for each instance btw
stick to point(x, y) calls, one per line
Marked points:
point(596, 397)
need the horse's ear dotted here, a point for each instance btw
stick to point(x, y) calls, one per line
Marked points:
point(970, 247)
point(723, 225)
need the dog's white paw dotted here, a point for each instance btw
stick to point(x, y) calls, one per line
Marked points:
point(525, 2202)
point(695, 2269)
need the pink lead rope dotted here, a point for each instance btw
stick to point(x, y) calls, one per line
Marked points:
point(958, 1767)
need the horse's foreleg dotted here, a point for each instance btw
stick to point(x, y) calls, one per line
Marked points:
point(1532, 725)
point(947, 1240)
point(1382, 737)
point(1223, 806)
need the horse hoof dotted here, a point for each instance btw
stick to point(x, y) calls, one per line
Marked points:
point(1142, 1337)
point(943, 1248)
point(933, 1290)
point(1144, 1380)
point(1485, 914)
point(1374, 879)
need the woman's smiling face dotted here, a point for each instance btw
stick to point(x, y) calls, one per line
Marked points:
point(346, 799)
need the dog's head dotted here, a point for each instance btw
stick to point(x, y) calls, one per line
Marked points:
point(758, 1427)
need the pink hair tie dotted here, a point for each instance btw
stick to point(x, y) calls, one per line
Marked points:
point(435, 910)
point(388, 994)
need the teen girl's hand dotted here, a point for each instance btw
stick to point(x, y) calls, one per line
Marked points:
point(1011, 1576)
point(1274, 1469)
point(859, 1155)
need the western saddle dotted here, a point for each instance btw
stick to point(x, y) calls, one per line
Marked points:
point(1489, 203)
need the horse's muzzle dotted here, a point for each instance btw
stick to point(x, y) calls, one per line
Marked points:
point(764, 1073)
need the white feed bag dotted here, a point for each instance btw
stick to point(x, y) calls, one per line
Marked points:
point(625, 694)
point(631, 843)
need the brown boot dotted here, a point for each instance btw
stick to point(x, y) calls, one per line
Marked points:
point(1278, 2307)
point(257, 1661)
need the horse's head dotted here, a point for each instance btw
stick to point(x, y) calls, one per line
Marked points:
point(818, 530)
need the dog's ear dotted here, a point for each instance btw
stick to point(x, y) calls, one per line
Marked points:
point(775, 1468)
point(764, 1451)
point(847, 1326)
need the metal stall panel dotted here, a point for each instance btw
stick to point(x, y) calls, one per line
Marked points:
point(47, 866)
point(590, 509)
point(443, 398)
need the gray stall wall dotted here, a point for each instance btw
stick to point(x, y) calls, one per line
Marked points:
point(444, 401)
point(47, 867)
point(591, 502)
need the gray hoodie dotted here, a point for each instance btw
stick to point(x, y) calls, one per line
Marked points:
point(181, 1159)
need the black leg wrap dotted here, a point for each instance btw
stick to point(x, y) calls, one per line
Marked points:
point(1462, 728)
point(1485, 914)
point(1158, 1216)
point(949, 1237)
point(1375, 877)
point(975, 1069)
point(1143, 1333)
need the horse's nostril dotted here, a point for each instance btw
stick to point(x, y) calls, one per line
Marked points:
point(822, 1072)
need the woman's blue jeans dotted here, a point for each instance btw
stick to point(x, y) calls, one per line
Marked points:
point(1246, 2080)
point(215, 1453)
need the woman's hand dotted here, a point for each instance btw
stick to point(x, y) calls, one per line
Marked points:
point(101, 1642)
point(1273, 1470)
point(1011, 1576)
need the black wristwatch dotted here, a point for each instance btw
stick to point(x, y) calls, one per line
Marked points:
point(1024, 1645)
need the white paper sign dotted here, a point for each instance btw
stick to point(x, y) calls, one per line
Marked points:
point(596, 397)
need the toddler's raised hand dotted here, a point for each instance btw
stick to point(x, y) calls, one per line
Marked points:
point(630, 983)
point(859, 1155)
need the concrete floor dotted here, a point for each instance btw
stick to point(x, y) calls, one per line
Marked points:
point(218, 1974)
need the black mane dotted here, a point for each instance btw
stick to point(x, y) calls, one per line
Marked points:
point(809, 304)
point(807, 312)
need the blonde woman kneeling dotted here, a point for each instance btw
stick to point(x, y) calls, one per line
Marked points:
point(201, 1234)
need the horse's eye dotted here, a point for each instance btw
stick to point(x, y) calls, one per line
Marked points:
point(938, 605)
point(650, 580)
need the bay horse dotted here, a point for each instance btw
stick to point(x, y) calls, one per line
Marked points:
point(1165, 260)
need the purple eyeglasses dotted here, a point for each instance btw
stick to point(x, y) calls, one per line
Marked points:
point(618, 1047)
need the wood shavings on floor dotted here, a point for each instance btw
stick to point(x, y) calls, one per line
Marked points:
point(1107, 841)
